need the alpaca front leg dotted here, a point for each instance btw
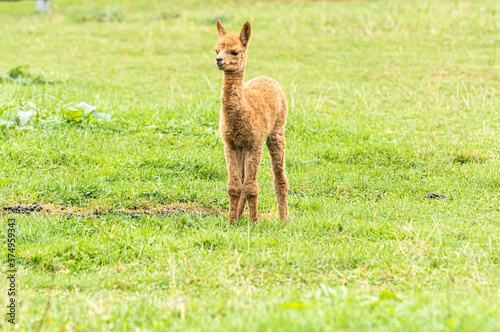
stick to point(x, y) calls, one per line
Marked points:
point(250, 185)
point(243, 199)
point(234, 186)
point(241, 205)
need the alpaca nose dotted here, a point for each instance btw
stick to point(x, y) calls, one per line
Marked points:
point(219, 62)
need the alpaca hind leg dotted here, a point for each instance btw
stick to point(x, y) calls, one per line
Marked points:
point(250, 185)
point(276, 146)
point(234, 185)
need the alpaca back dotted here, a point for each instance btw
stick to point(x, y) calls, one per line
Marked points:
point(266, 102)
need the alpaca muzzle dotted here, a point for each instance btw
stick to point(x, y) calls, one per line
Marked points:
point(220, 63)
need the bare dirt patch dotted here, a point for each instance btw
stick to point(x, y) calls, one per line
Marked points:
point(78, 212)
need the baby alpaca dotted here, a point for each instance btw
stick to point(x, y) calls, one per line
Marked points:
point(250, 114)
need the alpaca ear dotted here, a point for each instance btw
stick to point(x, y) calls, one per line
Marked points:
point(245, 34)
point(220, 29)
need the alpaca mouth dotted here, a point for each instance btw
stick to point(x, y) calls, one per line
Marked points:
point(220, 65)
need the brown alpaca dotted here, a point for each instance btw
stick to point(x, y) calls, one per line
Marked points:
point(250, 113)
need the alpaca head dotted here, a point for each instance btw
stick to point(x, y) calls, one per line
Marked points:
point(231, 48)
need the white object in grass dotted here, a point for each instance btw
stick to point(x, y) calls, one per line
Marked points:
point(42, 5)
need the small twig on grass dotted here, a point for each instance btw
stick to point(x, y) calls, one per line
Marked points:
point(339, 218)
point(209, 83)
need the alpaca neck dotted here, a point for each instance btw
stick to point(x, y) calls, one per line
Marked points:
point(232, 93)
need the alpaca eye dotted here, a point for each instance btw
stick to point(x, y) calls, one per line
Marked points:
point(234, 53)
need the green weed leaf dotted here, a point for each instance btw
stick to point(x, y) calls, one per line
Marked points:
point(386, 295)
point(72, 113)
point(295, 305)
point(6, 124)
point(86, 108)
point(25, 116)
point(101, 116)
point(84, 112)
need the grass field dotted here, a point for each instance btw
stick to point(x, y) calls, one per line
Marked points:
point(388, 101)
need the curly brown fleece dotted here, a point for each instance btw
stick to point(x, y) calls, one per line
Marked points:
point(250, 113)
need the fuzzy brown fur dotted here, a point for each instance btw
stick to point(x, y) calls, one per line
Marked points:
point(250, 114)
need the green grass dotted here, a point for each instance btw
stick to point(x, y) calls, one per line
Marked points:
point(389, 101)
